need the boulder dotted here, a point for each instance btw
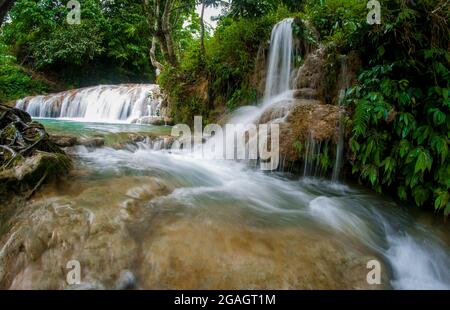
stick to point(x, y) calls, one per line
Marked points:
point(28, 173)
point(64, 140)
point(301, 118)
point(92, 142)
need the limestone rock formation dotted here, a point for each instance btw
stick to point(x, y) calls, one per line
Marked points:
point(299, 119)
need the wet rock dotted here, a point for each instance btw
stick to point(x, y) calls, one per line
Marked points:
point(311, 74)
point(162, 244)
point(306, 93)
point(151, 120)
point(169, 121)
point(300, 118)
point(64, 140)
point(84, 222)
point(231, 256)
point(92, 142)
point(308, 118)
point(27, 156)
point(30, 172)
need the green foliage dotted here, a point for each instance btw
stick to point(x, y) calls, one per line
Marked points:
point(110, 45)
point(338, 21)
point(258, 8)
point(224, 72)
point(15, 81)
point(401, 128)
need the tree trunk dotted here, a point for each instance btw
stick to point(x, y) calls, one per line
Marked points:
point(155, 62)
point(5, 5)
point(159, 13)
point(167, 33)
point(202, 28)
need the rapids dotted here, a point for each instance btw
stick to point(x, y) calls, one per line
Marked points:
point(176, 222)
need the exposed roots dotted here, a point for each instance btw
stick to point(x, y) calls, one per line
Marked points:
point(20, 137)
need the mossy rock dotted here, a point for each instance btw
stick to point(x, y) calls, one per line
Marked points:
point(27, 174)
point(27, 156)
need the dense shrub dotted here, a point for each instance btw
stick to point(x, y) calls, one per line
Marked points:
point(15, 81)
point(400, 125)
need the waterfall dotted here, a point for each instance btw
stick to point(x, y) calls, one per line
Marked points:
point(278, 84)
point(340, 145)
point(281, 56)
point(105, 103)
point(312, 157)
point(278, 75)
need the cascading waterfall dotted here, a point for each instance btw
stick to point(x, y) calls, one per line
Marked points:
point(281, 56)
point(313, 150)
point(278, 75)
point(345, 83)
point(278, 81)
point(105, 103)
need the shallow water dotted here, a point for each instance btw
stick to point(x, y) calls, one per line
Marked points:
point(173, 221)
point(77, 128)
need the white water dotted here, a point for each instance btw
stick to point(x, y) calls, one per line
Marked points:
point(416, 259)
point(281, 57)
point(105, 103)
point(312, 166)
point(278, 76)
point(340, 145)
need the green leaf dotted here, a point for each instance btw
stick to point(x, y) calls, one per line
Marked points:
point(424, 161)
point(401, 192)
point(422, 133)
point(439, 117)
point(404, 148)
point(441, 200)
point(354, 145)
point(440, 145)
point(420, 195)
point(447, 210)
point(389, 165)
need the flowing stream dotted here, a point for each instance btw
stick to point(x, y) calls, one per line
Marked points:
point(157, 219)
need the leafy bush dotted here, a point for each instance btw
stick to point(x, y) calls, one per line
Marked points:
point(15, 82)
point(109, 46)
point(401, 128)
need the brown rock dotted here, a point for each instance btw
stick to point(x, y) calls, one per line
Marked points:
point(300, 118)
point(64, 140)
